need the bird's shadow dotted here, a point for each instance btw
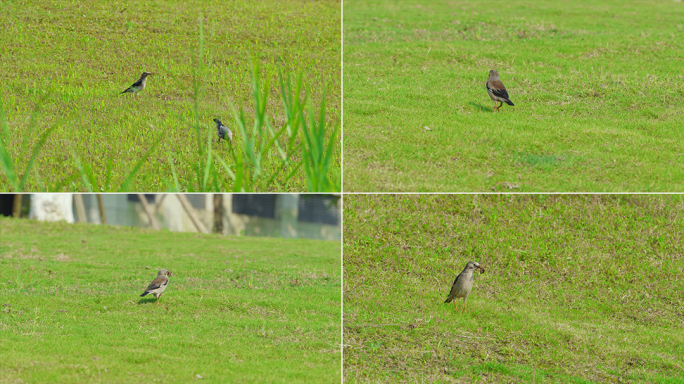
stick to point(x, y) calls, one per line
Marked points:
point(146, 301)
point(481, 107)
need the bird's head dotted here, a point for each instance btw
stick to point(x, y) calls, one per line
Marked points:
point(474, 265)
point(493, 74)
point(164, 272)
point(217, 121)
point(145, 74)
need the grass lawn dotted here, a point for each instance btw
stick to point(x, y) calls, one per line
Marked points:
point(597, 87)
point(65, 64)
point(237, 309)
point(577, 289)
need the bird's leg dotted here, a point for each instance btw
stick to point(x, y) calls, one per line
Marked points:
point(455, 307)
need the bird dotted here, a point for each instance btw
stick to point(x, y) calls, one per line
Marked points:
point(464, 284)
point(158, 285)
point(223, 131)
point(496, 89)
point(138, 85)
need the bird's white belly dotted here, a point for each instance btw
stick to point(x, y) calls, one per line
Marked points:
point(158, 291)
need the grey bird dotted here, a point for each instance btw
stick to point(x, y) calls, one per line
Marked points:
point(464, 284)
point(223, 131)
point(138, 85)
point(497, 91)
point(158, 285)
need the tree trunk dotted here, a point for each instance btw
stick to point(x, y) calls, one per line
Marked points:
point(80, 208)
point(218, 213)
point(148, 211)
point(16, 206)
point(103, 214)
point(191, 212)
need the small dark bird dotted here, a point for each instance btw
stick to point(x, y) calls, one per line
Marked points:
point(496, 89)
point(158, 285)
point(138, 85)
point(223, 131)
point(464, 284)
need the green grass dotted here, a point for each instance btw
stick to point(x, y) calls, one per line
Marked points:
point(597, 88)
point(64, 125)
point(237, 309)
point(578, 288)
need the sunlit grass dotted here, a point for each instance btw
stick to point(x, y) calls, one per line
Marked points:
point(577, 288)
point(237, 309)
point(596, 85)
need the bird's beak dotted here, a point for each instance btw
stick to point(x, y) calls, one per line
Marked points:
point(481, 269)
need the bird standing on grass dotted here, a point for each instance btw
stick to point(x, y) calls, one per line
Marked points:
point(138, 85)
point(158, 285)
point(497, 91)
point(223, 131)
point(464, 284)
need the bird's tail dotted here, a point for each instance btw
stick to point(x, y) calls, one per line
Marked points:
point(448, 300)
point(145, 293)
point(127, 90)
point(509, 102)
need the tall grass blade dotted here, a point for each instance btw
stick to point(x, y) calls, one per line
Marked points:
point(85, 177)
point(126, 185)
point(209, 163)
point(34, 154)
point(173, 172)
point(16, 183)
point(5, 159)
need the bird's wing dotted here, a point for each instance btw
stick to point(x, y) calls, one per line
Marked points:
point(158, 283)
point(497, 88)
point(454, 285)
point(226, 131)
point(137, 83)
point(222, 132)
